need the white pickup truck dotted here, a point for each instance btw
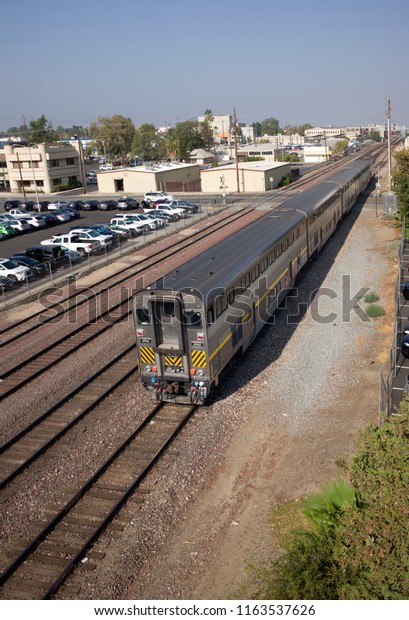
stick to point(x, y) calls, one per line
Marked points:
point(73, 241)
point(135, 227)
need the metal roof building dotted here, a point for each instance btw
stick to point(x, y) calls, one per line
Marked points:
point(164, 176)
point(255, 176)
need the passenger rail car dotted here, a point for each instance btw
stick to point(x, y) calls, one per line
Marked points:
point(191, 323)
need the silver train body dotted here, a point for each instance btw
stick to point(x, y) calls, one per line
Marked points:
point(192, 322)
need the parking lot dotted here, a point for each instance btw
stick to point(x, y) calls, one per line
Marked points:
point(19, 242)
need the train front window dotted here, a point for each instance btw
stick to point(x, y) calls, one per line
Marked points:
point(167, 324)
point(142, 316)
point(192, 319)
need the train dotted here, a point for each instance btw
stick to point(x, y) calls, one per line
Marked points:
point(192, 322)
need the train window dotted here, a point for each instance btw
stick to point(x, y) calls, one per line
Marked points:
point(210, 316)
point(221, 305)
point(192, 319)
point(230, 297)
point(169, 308)
point(142, 316)
point(272, 257)
point(297, 233)
point(255, 272)
point(264, 263)
point(245, 281)
point(278, 250)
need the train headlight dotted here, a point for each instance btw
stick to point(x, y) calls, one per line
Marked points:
point(148, 368)
point(199, 373)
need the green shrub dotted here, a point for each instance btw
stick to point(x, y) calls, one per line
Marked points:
point(371, 297)
point(374, 311)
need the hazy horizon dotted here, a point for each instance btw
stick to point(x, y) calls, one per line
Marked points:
point(166, 62)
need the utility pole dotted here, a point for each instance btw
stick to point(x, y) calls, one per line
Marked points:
point(389, 146)
point(84, 184)
point(31, 160)
point(21, 176)
point(235, 151)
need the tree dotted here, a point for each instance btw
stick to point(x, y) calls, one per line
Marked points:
point(401, 181)
point(113, 135)
point(146, 144)
point(301, 129)
point(183, 139)
point(373, 550)
point(41, 130)
point(270, 126)
point(340, 146)
point(309, 569)
point(375, 136)
point(207, 129)
point(355, 541)
point(257, 129)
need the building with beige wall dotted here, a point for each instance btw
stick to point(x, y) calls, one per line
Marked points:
point(166, 176)
point(256, 176)
point(42, 167)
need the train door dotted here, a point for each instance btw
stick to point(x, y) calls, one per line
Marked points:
point(168, 332)
point(169, 338)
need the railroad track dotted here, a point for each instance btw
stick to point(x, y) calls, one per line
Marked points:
point(38, 570)
point(10, 333)
point(33, 440)
point(58, 347)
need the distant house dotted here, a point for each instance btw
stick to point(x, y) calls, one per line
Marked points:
point(200, 156)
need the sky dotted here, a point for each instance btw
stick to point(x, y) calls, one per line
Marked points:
point(164, 61)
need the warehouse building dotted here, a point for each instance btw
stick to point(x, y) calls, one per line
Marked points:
point(164, 176)
point(255, 176)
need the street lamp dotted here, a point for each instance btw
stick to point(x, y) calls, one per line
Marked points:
point(105, 156)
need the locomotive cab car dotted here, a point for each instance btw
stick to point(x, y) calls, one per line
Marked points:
point(172, 343)
point(192, 322)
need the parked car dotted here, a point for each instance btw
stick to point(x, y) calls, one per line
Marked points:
point(100, 229)
point(52, 255)
point(60, 204)
point(19, 212)
point(144, 219)
point(91, 236)
point(108, 205)
point(74, 240)
point(166, 207)
point(76, 204)
point(15, 272)
point(127, 204)
point(405, 290)
point(168, 215)
point(72, 255)
point(50, 219)
point(34, 221)
point(91, 205)
point(124, 233)
point(19, 225)
point(38, 269)
point(135, 228)
point(6, 284)
point(28, 204)
point(92, 181)
point(6, 230)
point(62, 215)
point(185, 204)
point(105, 167)
point(11, 204)
point(404, 345)
point(162, 221)
point(152, 196)
point(72, 213)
